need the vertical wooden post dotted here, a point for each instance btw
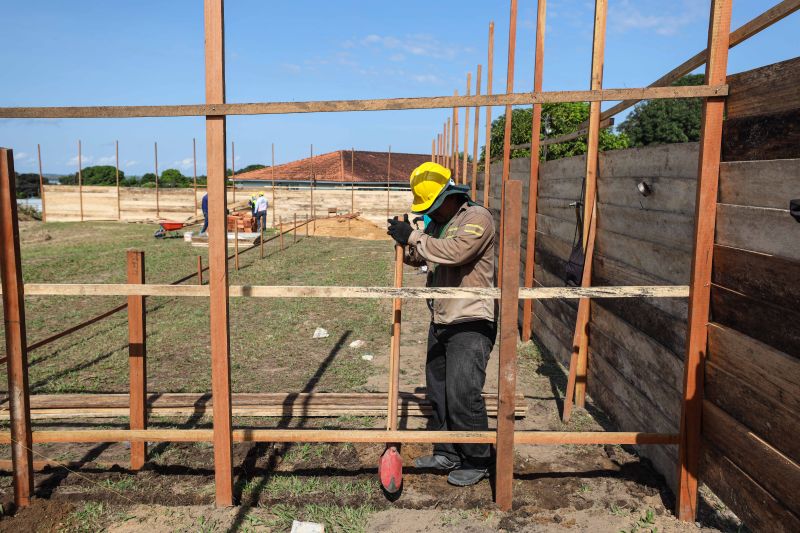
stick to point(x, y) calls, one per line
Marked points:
point(388, 179)
point(313, 211)
point(199, 269)
point(194, 166)
point(80, 179)
point(217, 251)
point(447, 142)
point(41, 183)
point(307, 222)
point(233, 172)
point(116, 166)
point(579, 359)
point(512, 44)
point(394, 356)
point(455, 142)
point(465, 161)
point(158, 204)
point(475, 138)
point(352, 184)
point(700, 285)
point(272, 171)
point(294, 229)
point(137, 357)
point(533, 183)
point(236, 246)
point(433, 151)
point(16, 339)
point(509, 309)
point(280, 231)
point(487, 157)
point(261, 243)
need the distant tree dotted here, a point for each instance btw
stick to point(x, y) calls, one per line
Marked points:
point(557, 119)
point(173, 178)
point(248, 168)
point(95, 175)
point(666, 121)
point(27, 185)
point(147, 178)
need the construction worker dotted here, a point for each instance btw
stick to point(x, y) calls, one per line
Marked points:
point(204, 206)
point(458, 247)
point(251, 203)
point(260, 211)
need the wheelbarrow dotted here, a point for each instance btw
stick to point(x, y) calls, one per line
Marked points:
point(169, 229)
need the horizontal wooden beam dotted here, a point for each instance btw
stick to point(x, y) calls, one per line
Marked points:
point(284, 291)
point(386, 104)
point(345, 435)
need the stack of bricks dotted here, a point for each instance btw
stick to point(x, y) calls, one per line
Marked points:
point(245, 222)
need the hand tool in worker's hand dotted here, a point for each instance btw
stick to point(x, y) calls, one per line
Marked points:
point(390, 466)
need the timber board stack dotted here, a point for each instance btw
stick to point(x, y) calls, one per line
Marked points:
point(636, 346)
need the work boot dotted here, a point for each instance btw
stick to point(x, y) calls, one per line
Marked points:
point(467, 475)
point(436, 462)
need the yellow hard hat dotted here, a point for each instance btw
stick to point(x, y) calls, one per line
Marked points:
point(427, 181)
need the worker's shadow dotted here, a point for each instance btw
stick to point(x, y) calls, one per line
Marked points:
point(249, 469)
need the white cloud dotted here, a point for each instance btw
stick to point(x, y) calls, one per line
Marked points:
point(420, 44)
point(106, 160)
point(20, 155)
point(427, 78)
point(659, 18)
point(85, 160)
point(184, 164)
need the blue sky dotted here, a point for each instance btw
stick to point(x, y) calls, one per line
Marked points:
point(146, 52)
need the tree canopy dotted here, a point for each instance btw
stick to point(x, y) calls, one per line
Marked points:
point(96, 175)
point(27, 185)
point(666, 121)
point(557, 119)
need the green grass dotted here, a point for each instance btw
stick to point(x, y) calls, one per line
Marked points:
point(335, 518)
point(271, 345)
point(86, 519)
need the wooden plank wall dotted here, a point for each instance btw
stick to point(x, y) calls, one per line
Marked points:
point(750, 425)
point(636, 345)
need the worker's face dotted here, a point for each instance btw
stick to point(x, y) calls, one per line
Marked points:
point(446, 211)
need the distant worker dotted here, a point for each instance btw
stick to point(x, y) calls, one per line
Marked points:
point(458, 247)
point(204, 204)
point(260, 209)
point(251, 203)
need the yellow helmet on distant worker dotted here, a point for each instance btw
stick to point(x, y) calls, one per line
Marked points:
point(427, 182)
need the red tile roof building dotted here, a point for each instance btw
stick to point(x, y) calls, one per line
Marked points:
point(368, 167)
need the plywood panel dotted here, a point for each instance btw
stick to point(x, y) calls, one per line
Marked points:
point(755, 407)
point(657, 324)
point(779, 475)
point(770, 324)
point(674, 195)
point(550, 340)
point(761, 276)
point(675, 230)
point(665, 262)
point(761, 137)
point(754, 505)
point(760, 183)
point(678, 160)
point(766, 230)
point(763, 90)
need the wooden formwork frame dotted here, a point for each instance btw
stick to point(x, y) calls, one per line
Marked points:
point(219, 291)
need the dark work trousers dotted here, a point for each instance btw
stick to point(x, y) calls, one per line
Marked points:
point(261, 217)
point(455, 372)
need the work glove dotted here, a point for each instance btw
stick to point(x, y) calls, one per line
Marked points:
point(399, 230)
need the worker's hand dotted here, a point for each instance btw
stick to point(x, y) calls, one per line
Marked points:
point(400, 230)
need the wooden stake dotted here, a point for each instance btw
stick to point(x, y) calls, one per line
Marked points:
point(388, 179)
point(475, 139)
point(512, 45)
point(352, 184)
point(294, 229)
point(394, 356)
point(80, 179)
point(158, 205)
point(313, 211)
point(433, 151)
point(199, 269)
point(217, 251)
point(509, 308)
point(306, 224)
point(454, 142)
point(194, 166)
point(137, 357)
point(280, 231)
point(447, 154)
point(700, 287)
point(116, 158)
point(16, 338)
point(261, 243)
point(41, 183)
point(272, 170)
point(581, 337)
point(236, 246)
point(465, 162)
point(233, 176)
point(533, 183)
point(487, 158)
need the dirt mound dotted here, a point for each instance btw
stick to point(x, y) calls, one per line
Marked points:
point(356, 228)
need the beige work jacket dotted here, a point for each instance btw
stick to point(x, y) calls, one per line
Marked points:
point(458, 254)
